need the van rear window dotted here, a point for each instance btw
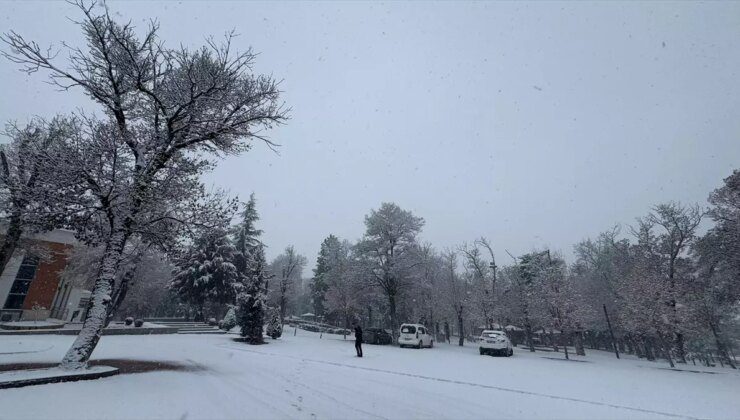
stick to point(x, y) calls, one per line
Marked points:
point(408, 329)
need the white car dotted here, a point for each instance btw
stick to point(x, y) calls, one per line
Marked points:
point(415, 335)
point(495, 342)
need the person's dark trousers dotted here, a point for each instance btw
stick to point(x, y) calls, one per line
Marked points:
point(358, 347)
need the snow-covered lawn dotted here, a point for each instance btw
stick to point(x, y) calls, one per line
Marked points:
point(308, 377)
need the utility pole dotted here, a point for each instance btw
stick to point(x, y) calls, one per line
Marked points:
point(611, 332)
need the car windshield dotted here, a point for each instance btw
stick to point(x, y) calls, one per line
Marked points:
point(408, 329)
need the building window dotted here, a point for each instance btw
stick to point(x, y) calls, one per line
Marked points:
point(23, 279)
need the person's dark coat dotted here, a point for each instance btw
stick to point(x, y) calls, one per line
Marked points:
point(358, 340)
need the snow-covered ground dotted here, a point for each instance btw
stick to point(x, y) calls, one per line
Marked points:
point(306, 377)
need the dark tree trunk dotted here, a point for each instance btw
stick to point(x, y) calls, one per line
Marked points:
point(392, 310)
point(553, 341)
point(679, 346)
point(666, 349)
point(648, 344)
point(120, 293)
point(578, 343)
point(528, 335)
point(721, 348)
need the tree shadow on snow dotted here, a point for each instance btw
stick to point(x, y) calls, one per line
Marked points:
point(125, 366)
point(566, 360)
point(245, 340)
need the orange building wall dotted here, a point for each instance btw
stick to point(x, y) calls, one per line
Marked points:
point(44, 285)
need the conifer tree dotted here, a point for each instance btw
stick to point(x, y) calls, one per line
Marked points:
point(206, 272)
point(251, 301)
point(274, 324)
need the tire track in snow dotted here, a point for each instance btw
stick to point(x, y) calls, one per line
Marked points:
point(452, 381)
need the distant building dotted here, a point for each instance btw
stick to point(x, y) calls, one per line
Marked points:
point(31, 287)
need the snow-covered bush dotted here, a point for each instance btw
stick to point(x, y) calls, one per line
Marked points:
point(138, 323)
point(128, 321)
point(310, 327)
point(229, 320)
point(274, 326)
point(212, 321)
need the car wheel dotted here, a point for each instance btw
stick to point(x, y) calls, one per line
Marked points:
point(511, 353)
point(418, 346)
point(481, 351)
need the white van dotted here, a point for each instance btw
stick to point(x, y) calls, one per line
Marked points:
point(415, 335)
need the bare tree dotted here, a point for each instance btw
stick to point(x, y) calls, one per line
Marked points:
point(679, 224)
point(24, 196)
point(387, 251)
point(287, 267)
point(456, 290)
point(165, 107)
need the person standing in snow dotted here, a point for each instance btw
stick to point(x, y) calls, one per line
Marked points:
point(447, 332)
point(358, 339)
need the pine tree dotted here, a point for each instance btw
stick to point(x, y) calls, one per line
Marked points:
point(324, 264)
point(252, 268)
point(246, 235)
point(274, 324)
point(251, 301)
point(206, 271)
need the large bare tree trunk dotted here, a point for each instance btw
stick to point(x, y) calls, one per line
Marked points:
point(721, 348)
point(528, 334)
point(97, 310)
point(392, 309)
point(578, 343)
point(666, 347)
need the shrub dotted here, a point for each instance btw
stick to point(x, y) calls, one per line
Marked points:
point(128, 321)
point(229, 320)
point(138, 323)
point(274, 326)
point(212, 321)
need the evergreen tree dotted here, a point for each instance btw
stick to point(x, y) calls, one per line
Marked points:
point(251, 301)
point(320, 284)
point(206, 272)
point(246, 235)
point(252, 268)
point(274, 324)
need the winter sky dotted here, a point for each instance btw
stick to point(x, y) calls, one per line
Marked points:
point(533, 124)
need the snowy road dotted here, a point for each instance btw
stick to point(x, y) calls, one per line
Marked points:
point(308, 377)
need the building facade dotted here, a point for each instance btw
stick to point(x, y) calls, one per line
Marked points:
point(31, 286)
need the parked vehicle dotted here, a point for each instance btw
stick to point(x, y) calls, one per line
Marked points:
point(415, 335)
point(495, 343)
point(376, 336)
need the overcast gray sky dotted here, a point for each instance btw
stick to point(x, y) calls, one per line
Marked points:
point(533, 124)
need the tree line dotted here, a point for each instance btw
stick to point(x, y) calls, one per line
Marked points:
point(658, 288)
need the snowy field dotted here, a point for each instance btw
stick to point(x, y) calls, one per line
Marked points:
point(308, 377)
